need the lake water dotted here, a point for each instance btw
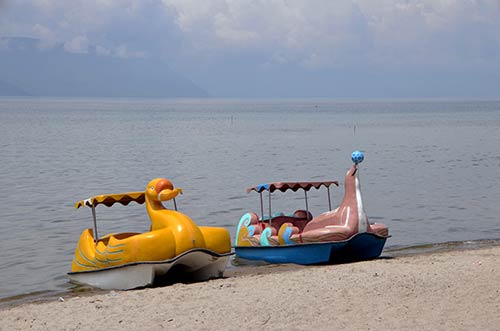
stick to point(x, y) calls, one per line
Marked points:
point(431, 169)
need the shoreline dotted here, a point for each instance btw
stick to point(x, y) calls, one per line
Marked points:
point(454, 289)
point(245, 268)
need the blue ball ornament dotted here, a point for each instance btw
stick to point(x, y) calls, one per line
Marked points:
point(357, 157)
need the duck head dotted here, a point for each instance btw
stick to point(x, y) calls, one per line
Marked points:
point(161, 189)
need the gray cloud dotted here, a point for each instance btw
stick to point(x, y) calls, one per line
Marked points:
point(326, 33)
point(136, 28)
point(218, 38)
point(311, 34)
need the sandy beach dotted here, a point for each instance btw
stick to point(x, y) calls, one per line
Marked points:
point(455, 290)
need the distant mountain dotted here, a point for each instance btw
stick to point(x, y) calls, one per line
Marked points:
point(7, 89)
point(27, 69)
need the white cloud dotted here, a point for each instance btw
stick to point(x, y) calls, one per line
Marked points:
point(123, 52)
point(313, 34)
point(46, 36)
point(79, 44)
point(122, 28)
point(329, 33)
point(101, 50)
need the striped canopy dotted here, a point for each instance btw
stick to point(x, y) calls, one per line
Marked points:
point(110, 199)
point(294, 186)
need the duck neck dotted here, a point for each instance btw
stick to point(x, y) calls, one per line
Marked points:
point(152, 206)
point(353, 201)
point(154, 209)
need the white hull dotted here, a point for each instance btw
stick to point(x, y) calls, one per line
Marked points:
point(194, 265)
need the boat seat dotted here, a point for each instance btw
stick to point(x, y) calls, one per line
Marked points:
point(254, 218)
point(273, 229)
point(255, 223)
point(299, 219)
point(303, 214)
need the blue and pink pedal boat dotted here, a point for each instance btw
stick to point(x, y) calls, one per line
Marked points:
point(340, 235)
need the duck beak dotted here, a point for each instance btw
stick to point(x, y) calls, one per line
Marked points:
point(168, 194)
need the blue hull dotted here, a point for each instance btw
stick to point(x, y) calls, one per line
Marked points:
point(362, 246)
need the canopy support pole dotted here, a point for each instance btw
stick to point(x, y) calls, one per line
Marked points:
point(96, 236)
point(270, 213)
point(175, 205)
point(329, 200)
point(261, 206)
point(307, 205)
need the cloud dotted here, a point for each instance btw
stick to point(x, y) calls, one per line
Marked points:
point(123, 52)
point(45, 35)
point(124, 28)
point(337, 33)
point(79, 44)
point(310, 34)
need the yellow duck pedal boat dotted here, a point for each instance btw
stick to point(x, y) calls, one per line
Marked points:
point(175, 248)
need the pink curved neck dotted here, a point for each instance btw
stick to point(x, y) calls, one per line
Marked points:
point(350, 214)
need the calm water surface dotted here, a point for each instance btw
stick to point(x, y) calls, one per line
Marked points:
point(431, 170)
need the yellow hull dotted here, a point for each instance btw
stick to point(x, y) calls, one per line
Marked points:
point(130, 260)
point(125, 248)
point(193, 265)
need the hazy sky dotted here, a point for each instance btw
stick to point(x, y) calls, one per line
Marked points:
point(356, 48)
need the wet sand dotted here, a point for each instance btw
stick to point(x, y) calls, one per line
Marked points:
point(454, 290)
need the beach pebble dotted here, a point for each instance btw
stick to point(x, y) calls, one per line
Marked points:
point(61, 299)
